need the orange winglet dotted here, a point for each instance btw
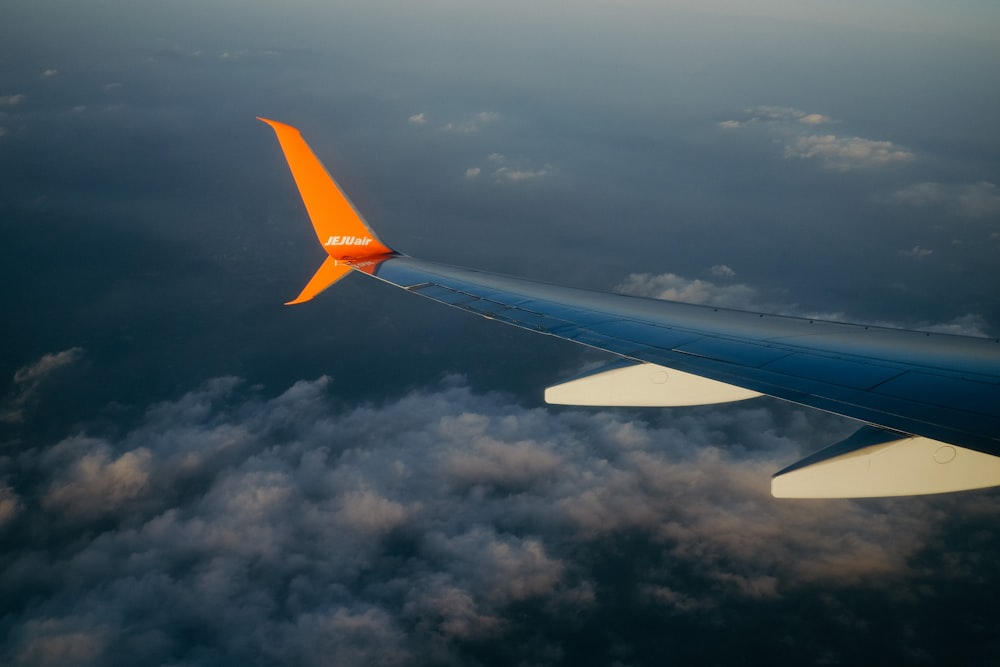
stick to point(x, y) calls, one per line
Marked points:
point(339, 227)
point(330, 271)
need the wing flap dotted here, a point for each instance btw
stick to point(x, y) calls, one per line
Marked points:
point(877, 463)
point(643, 385)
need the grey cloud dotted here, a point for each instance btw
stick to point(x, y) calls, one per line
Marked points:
point(916, 252)
point(46, 364)
point(973, 200)
point(970, 324)
point(95, 483)
point(57, 641)
point(12, 100)
point(10, 504)
point(28, 380)
point(491, 462)
point(288, 526)
point(673, 287)
point(474, 124)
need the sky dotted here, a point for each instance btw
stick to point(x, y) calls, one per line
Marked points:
point(192, 473)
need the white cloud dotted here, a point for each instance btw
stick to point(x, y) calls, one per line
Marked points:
point(844, 153)
point(835, 152)
point(50, 72)
point(472, 173)
point(12, 100)
point(418, 118)
point(814, 119)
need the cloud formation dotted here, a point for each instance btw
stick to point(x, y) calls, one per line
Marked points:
point(722, 271)
point(775, 114)
point(511, 171)
point(292, 527)
point(473, 124)
point(844, 153)
point(12, 100)
point(973, 200)
point(28, 379)
point(832, 151)
point(672, 287)
point(916, 252)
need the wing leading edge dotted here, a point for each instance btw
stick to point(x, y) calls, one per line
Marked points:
point(933, 399)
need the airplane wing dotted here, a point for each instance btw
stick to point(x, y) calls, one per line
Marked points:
point(929, 403)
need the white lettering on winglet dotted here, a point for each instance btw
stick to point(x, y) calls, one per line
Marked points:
point(348, 240)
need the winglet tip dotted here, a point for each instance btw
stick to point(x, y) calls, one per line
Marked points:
point(276, 125)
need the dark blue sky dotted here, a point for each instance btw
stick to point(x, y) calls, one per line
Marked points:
point(192, 473)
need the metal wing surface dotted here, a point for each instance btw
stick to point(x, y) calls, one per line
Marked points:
point(935, 385)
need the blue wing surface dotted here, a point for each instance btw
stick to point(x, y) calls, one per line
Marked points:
point(939, 386)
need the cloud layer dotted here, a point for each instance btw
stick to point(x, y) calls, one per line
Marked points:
point(230, 527)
